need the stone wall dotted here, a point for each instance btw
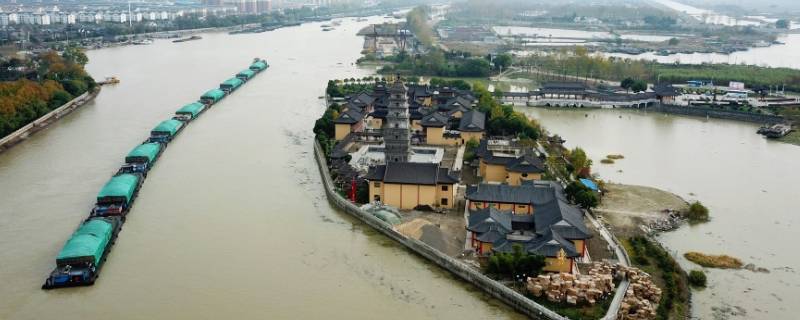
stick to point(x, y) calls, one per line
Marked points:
point(23, 133)
point(501, 292)
point(717, 113)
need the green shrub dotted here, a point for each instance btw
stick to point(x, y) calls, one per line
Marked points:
point(697, 278)
point(697, 212)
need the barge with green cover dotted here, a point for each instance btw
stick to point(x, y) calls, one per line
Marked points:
point(117, 195)
point(212, 96)
point(231, 84)
point(189, 112)
point(79, 261)
point(142, 158)
point(165, 131)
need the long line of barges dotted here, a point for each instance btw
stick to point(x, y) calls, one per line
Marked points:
point(79, 261)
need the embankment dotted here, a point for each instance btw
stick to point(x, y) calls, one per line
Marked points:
point(717, 113)
point(460, 269)
point(23, 133)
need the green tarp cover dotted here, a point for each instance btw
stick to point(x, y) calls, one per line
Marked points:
point(193, 108)
point(387, 216)
point(123, 185)
point(232, 82)
point(90, 240)
point(213, 94)
point(149, 150)
point(246, 73)
point(260, 65)
point(170, 126)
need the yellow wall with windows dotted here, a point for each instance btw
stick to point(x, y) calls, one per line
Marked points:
point(449, 194)
point(408, 196)
point(516, 178)
point(342, 129)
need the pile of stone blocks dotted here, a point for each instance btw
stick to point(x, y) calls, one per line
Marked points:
point(564, 287)
point(641, 299)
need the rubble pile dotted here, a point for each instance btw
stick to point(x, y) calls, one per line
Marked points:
point(564, 287)
point(641, 299)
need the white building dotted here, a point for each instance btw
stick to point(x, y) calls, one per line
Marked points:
point(4, 19)
point(41, 19)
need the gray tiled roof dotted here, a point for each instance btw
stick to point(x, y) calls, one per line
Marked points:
point(480, 220)
point(536, 194)
point(434, 119)
point(410, 173)
point(350, 116)
point(473, 121)
point(526, 164)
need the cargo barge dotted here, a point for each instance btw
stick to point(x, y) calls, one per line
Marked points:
point(80, 259)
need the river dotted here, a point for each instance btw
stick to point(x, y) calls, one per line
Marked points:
point(747, 182)
point(232, 222)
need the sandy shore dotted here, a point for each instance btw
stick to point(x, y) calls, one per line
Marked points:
point(627, 207)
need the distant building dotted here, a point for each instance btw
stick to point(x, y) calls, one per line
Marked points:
point(502, 161)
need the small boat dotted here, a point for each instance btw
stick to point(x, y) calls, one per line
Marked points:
point(142, 42)
point(328, 29)
point(188, 39)
point(109, 80)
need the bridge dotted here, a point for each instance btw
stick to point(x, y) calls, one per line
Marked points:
point(581, 99)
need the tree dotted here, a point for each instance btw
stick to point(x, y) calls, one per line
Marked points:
point(515, 265)
point(673, 41)
point(783, 24)
point(626, 83)
point(579, 159)
point(638, 86)
point(581, 195)
point(502, 61)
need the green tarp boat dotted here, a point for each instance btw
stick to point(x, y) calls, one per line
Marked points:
point(192, 109)
point(247, 74)
point(122, 186)
point(214, 95)
point(144, 152)
point(89, 241)
point(258, 66)
point(169, 127)
point(231, 83)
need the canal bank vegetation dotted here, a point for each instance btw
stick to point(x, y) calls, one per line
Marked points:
point(40, 85)
point(579, 63)
point(714, 261)
point(667, 274)
point(697, 213)
point(697, 278)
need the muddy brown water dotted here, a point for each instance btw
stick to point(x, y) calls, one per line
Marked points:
point(232, 222)
point(748, 183)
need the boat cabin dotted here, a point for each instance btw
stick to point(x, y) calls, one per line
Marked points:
point(141, 158)
point(212, 96)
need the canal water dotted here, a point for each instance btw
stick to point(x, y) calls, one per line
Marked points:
point(232, 222)
point(748, 183)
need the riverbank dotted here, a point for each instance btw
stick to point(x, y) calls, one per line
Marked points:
point(42, 122)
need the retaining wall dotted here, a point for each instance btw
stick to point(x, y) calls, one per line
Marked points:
point(23, 133)
point(460, 269)
point(717, 113)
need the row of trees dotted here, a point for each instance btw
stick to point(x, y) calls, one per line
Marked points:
point(438, 63)
point(502, 120)
point(580, 63)
point(53, 80)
